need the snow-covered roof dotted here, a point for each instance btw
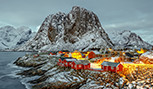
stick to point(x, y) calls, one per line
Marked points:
point(113, 58)
point(148, 54)
point(62, 59)
point(112, 64)
point(71, 59)
point(66, 58)
point(84, 62)
point(96, 52)
point(127, 63)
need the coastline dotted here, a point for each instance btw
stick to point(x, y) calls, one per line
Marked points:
point(53, 76)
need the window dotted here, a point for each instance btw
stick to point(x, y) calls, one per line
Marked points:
point(80, 66)
point(112, 67)
point(71, 65)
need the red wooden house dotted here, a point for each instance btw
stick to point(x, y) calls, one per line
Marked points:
point(67, 62)
point(52, 53)
point(91, 55)
point(111, 66)
point(85, 63)
point(61, 60)
point(72, 65)
point(77, 65)
point(80, 64)
point(60, 52)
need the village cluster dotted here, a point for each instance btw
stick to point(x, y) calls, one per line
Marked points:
point(122, 61)
point(101, 60)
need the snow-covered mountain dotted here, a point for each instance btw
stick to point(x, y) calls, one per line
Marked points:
point(11, 37)
point(151, 42)
point(79, 29)
point(127, 38)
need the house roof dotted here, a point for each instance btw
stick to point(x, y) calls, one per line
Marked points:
point(62, 59)
point(77, 62)
point(112, 64)
point(70, 60)
point(66, 58)
point(84, 62)
point(82, 54)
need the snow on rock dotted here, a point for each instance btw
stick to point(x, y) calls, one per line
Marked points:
point(61, 77)
point(151, 42)
point(148, 55)
point(11, 37)
point(80, 29)
point(127, 39)
point(146, 58)
point(92, 85)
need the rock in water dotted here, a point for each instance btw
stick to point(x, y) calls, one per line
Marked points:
point(80, 29)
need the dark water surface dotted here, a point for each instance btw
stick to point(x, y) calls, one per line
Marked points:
point(8, 79)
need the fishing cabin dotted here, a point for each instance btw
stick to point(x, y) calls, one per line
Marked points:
point(111, 66)
point(67, 62)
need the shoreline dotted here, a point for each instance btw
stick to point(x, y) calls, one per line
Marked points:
point(54, 76)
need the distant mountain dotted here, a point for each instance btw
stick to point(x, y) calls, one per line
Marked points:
point(79, 29)
point(151, 42)
point(40, 40)
point(11, 38)
point(128, 39)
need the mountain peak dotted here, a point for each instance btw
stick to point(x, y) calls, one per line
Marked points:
point(7, 28)
point(73, 28)
point(79, 29)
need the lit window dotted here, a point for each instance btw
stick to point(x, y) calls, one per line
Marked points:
point(79, 65)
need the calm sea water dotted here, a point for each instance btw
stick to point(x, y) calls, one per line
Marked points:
point(8, 79)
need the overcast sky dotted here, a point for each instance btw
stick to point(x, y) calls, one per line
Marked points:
point(134, 15)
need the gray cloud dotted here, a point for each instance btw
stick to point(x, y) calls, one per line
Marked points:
point(134, 15)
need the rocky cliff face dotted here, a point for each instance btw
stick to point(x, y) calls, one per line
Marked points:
point(11, 37)
point(80, 29)
point(128, 39)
